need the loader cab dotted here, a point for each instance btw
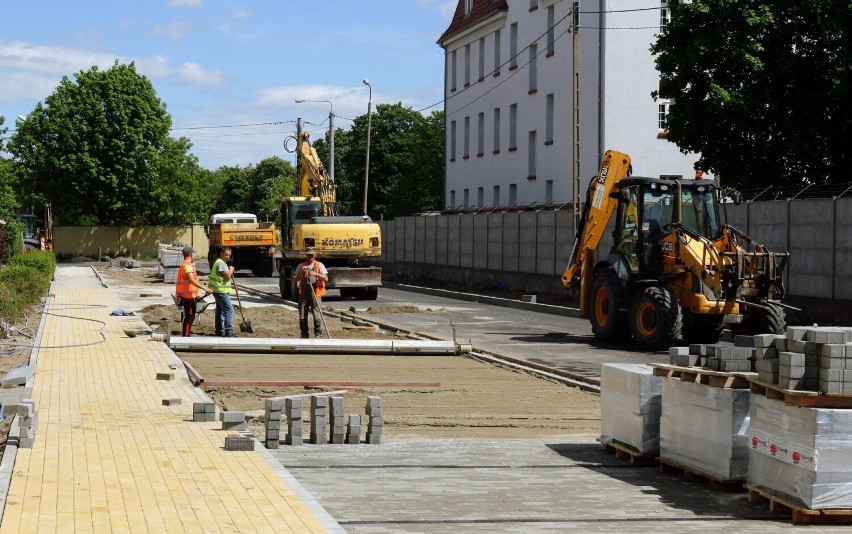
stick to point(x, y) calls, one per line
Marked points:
point(647, 209)
point(295, 211)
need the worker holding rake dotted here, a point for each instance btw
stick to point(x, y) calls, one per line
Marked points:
point(311, 276)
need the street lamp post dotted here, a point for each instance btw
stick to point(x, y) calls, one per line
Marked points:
point(367, 161)
point(330, 132)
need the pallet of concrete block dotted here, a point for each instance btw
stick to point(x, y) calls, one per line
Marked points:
point(630, 411)
point(704, 424)
point(170, 257)
point(800, 458)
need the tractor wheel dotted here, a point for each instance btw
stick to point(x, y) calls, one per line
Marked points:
point(285, 284)
point(655, 319)
point(348, 292)
point(371, 293)
point(702, 330)
point(609, 321)
point(762, 320)
point(212, 255)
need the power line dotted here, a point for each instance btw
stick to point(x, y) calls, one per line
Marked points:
point(275, 123)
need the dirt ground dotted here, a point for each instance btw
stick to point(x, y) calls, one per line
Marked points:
point(469, 398)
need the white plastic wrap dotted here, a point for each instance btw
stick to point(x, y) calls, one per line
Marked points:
point(630, 406)
point(802, 453)
point(706, 428)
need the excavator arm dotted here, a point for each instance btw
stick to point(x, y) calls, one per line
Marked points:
point(313, 178)
point(598, 210)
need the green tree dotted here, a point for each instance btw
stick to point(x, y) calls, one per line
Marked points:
point(406, 162)
point(271, 180)
point(98, 149)
point(233, 186)
point(760, 88)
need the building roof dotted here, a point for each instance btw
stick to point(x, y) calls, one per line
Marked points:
point(480, 10)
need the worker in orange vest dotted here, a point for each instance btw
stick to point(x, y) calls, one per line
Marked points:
point(186, 289)
point(699, 174)
point(311, 276)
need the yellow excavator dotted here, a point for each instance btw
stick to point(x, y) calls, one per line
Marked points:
point(675, 271)
point(346, 245)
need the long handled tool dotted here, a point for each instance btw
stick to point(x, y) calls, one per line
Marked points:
point(319, 309)
point(245, 326)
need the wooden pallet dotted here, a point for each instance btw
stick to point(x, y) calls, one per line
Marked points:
point(700, 375)
point(622, 450)
point(799, 513)
point(692, 474)
point(811, 399)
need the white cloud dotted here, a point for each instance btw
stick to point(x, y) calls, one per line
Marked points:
point(175, 29)
point(27, 69)
point(186, 3)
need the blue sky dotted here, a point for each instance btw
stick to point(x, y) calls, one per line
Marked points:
point(226, 63)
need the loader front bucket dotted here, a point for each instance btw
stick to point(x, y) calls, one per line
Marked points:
point(354, 277)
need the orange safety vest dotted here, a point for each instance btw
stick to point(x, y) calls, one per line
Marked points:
point(320, 289)
point(183, 288)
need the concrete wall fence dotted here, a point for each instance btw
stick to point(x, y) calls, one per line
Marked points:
point(529, 251)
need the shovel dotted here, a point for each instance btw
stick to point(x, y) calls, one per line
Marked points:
point(319, 309)
point(245, 326)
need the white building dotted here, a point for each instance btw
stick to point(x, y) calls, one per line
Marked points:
point(510, 114)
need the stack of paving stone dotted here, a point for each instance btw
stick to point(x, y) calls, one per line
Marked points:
point(319, 419)
point(801, 453)
point(293, 411)
point(27, 421)
point(170, 256)
point(273, 407)
point(203, 411)
point(244, 441)
point(731, 359)
point(808, 358)
point(233, 420)
point(353, 429)
point(705, 428)
point(375, 420)
point(631, 399)
point(337, 421)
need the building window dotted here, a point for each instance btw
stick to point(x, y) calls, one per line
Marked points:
point(496, 52)
point(496, 130)
point(533, 5)
point(551, 30)
point(452, 140)
point(480, 135)
point(481, 59)
point(466, 65)
point(466, 153)
point(453, 199)
point(495, 200)
point(466, 198)
point(663, 111)
point(468, 5)
point(513, 194)
point(548, 192)
point(665, 15)
point(531, 156)
point(513, 127)
point(453, 70)
point(480, 197)
point(548, 121)
point(513, 46)
point(533, 68)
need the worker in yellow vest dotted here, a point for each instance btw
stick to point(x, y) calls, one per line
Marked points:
point(221, 277)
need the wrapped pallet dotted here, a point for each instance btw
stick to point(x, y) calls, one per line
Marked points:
point(802, 453)
point(630, 406)
point(705, 428)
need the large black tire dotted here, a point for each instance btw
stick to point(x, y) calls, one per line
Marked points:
point(655, 318)
point(264, 269)
point(609, 321)
point(759, 320)
point(212, 255)
point(702, 330)
point(371, 293)
point(285, 284)
point(349, 292)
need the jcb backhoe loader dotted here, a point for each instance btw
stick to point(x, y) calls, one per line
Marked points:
point(674, 271)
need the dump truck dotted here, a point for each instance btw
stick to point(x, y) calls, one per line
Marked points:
point(675, 270)
point(346, 245)
point(252, 243)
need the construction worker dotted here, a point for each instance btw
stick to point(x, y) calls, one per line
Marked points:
point(311, 276)
point(699, 174)
point(186, 289)
point(221, 277)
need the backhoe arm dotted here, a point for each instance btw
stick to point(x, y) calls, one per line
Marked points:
point(313, 178)
point(597, 211)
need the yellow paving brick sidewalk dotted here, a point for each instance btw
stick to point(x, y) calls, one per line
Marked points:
point(110, 457)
